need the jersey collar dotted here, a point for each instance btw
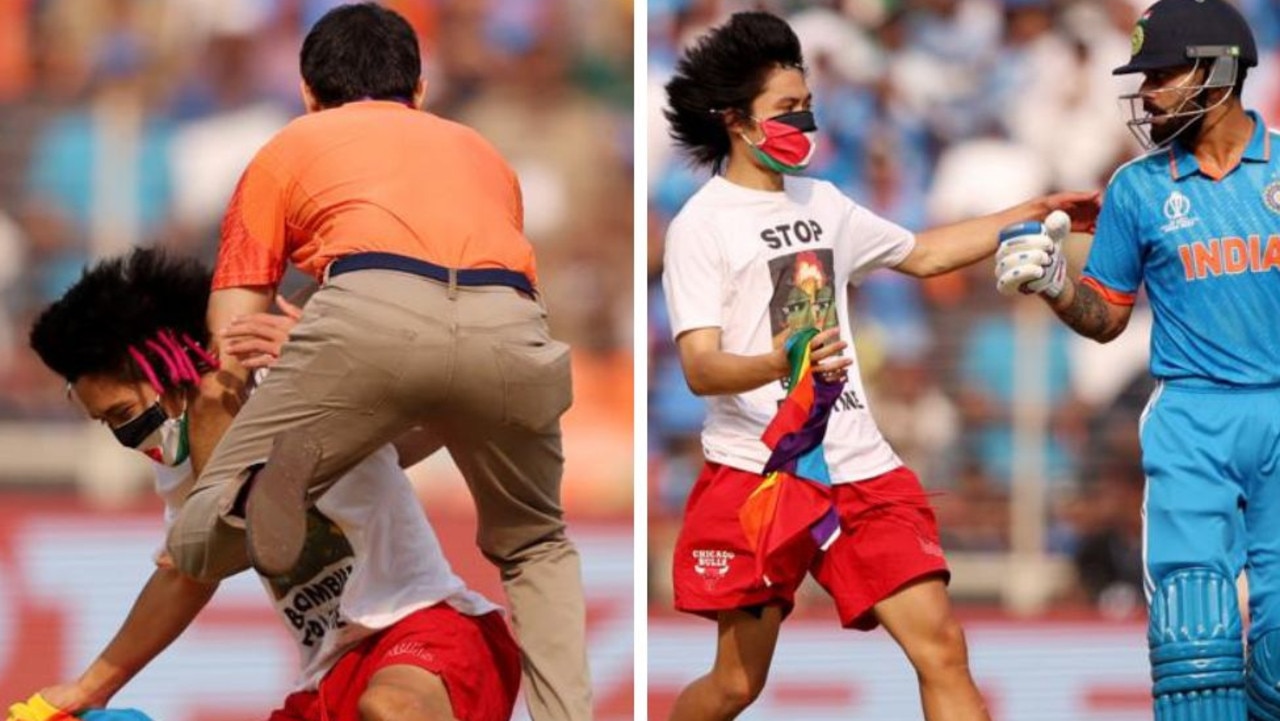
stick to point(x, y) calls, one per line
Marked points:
point(1182, 162)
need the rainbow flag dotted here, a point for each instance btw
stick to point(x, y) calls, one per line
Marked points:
point(794, 498)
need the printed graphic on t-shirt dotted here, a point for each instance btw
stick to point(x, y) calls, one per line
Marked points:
point(804, 292)
point(310, 596)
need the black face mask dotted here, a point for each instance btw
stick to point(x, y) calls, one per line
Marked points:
point(133, 432)
point(801, 120)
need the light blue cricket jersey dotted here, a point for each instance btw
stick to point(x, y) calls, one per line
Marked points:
point(1209, 253)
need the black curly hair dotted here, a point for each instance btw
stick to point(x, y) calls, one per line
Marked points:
point(125, 306)
point(725, 70)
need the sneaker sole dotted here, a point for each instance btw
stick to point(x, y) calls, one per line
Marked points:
point(276, 507)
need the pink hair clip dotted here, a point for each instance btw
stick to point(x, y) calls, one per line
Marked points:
point(145, 367)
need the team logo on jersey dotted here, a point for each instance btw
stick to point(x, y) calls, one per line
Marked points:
point(1177, 210)
point(1271, 196)
point(712, 565)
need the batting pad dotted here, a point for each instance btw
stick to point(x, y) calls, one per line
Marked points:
point(1263, 682)
point(1197, 653)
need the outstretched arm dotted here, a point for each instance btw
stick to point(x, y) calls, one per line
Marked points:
point(946, 248)
point(166, 606)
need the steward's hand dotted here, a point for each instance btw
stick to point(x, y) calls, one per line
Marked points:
point(255, 340)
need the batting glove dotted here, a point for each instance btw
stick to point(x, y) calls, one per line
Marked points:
point(1030, 259)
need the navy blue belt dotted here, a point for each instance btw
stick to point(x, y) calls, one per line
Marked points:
point(460, 276)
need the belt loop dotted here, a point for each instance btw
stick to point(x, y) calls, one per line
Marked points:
point(453, 283)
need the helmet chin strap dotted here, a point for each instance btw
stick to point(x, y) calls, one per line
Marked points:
point(1222, 74)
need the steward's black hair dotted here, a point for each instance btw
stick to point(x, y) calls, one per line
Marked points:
point(120, 303)
point(725, 71)
point(361, 51)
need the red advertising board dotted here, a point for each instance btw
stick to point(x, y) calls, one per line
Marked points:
point(1067, 670)
point(68, 575)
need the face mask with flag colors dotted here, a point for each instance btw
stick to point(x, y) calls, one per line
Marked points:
point(789, 141)
point(153, 432)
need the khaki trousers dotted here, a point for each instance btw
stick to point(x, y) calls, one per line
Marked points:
point(378, 353)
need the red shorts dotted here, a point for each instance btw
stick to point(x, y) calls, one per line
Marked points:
point(888, 538)
point(475, 656)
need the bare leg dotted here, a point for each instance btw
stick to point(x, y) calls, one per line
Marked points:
point(919, 618)
point(405, 693)
point(744, 652)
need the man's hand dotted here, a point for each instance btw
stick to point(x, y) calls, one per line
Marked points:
point(825, 356)
point(1081, 208)
point(255, 340)
point(1030, 258)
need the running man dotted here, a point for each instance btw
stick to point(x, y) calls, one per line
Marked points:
point(427, 314)
point(1197, 223)
point(755, 255)
point(385, 630)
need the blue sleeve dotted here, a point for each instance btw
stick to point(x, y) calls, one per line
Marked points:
point(1115, 259)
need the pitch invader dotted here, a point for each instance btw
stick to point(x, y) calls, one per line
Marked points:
point(740, 104)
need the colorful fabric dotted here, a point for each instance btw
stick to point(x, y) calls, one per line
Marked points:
point(715, 567)
point(795, 495)
point(37, 708)
point(888, 538)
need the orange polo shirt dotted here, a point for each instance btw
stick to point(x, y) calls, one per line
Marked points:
point(372, 176)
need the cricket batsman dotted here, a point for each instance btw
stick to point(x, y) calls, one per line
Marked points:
point(1196, 222)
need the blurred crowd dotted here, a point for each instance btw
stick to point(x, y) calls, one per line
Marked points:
point(930, 111)
point(128, 122)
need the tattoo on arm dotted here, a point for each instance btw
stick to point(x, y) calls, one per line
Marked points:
point(1088, 313)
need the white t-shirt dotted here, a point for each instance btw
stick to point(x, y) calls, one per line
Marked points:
point(371, 559)
point(754, 263)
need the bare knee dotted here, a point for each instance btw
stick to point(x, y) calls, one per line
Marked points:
point(390, 703)
point(940, 652)
point(736, 690)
